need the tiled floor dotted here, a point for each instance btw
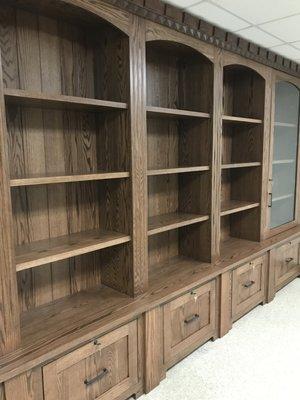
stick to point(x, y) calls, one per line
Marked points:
point(258, 360)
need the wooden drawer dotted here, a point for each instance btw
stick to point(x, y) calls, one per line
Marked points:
point(286, 263)
point(100, 370)
point(189, 321)
point(248, 286)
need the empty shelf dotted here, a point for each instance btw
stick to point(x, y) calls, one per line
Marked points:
point(172, 112)
point(166, 171)
point(43, 100)
point(61, 178)
point(167, 222)
point(242, 120)
point(234, 206)
point(50, 250)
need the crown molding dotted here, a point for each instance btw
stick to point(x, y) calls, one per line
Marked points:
point(174, 18)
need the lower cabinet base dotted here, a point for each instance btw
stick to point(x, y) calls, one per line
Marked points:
point(133, 358)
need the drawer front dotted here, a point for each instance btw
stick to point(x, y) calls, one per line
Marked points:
point(248, 286)
point(188, 321)
point(100, 370)
point(287, 263)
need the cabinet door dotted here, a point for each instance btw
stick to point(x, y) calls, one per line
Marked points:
point(283, 177)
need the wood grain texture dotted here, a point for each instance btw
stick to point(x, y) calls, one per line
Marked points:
point(138, 156)
point(10, 326)
point(154, 368)
point(104, 368)
point(27, 386)
point(189, 321)
point(225, 310)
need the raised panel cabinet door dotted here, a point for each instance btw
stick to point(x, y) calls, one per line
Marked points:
point(286, 263)
point(189, 321)
point(284, 155)
point(248, 286)
point(100, 370)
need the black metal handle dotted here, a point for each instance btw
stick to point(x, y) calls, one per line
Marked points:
point(288, 260)
point(270, 200)
point(191, 319)
point(249, 284)
point(99, 376)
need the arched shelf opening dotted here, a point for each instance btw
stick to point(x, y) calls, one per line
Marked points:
point(179, 135)
point(242, 152)
point(66, 90)
point(243, 92)
point(60, 49)
point(178, 77)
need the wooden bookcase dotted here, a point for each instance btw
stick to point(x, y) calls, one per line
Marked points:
point(135, 170)
point(179, 145)
point(242, 152)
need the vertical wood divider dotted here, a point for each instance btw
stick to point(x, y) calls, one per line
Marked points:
point(9, 310)
point(266, 157)
point(225, 320)
point(217, 156)
point(138, 154)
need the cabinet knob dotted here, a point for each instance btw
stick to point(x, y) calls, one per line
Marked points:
point(289, 259)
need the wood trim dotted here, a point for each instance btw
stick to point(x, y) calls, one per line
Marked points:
point(154, 368)
point(180, 21)
point(139, 155)
point(225, 320)
point(9, 315)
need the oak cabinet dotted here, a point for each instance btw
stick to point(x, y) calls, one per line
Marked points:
point(248, 286)
point(286, 263)
point(189, 321)
point(102, 369)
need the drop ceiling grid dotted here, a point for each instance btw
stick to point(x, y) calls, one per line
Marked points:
point(274, 24)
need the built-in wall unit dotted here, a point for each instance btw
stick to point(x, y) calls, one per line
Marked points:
point(149, 180)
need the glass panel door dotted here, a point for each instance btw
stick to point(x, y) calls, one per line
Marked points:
point(285, 150)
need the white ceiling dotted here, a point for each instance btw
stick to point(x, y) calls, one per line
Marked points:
point(274, 24)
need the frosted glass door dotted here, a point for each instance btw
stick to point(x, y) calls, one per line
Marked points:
point(285, 149)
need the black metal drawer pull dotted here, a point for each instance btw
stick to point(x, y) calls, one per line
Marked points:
point(288, 260)
point(191, 319)
point(100, 376)
point(249, 284)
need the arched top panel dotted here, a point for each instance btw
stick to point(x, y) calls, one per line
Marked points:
point(62, 49)
point(178, 76)
point(243, 92)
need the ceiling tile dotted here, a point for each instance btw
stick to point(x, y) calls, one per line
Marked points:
point(217, 16)
point(260, 11)
point(296, 44)
point(259, 37)
point(183, 3)
point(287, 29)
point(287, 51)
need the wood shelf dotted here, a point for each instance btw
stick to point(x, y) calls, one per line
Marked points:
point(53, 321)
point(61, 178)
point(241, 120)
point(43, 100)
point(175, 113)
point(166, 171)
point(241, 165)
point(235, 206)
point(167, 222)
point(63, 247)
